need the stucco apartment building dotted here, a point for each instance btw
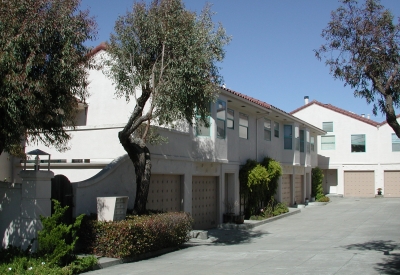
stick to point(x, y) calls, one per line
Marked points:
point(358, 155)
point(197, 170)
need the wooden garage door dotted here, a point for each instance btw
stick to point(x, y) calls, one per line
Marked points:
point(164, 193)
point(298, 189)
point(359, 184)
point(204, 202)
point(285, 191)
point(392, 184)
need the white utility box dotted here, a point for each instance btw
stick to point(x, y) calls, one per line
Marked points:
point(112, 208)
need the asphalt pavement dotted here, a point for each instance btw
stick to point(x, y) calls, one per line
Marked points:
point(346, 236)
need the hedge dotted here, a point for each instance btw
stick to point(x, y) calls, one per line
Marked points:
point(135, 235)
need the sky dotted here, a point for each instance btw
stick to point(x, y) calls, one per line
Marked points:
point(271, 54)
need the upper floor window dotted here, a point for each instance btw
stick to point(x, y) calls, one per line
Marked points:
point(301, 140)
point(312, 143)
point(327, 142)
point(357, 143)
point(395, 143)
point(276, 129)
point(327, 126)
point(201, 129)
point(267, 129)
point(288, 135)
point(243, 126)
point(221, 118)
point(230, 122)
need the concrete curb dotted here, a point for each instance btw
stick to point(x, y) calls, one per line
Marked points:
point(249, 224)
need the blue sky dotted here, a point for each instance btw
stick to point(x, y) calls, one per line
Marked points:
point(271, 53)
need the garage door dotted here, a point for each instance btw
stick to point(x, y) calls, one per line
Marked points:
point(299, 189)
point(359, 184)
point(164, 193)
point(204, 202)
point(392, 184)
point(285, 191)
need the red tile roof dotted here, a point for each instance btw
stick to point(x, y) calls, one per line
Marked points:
point(100, 47)
point(249, 98)
point(338, 110)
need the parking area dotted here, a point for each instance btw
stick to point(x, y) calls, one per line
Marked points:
point(347, 236)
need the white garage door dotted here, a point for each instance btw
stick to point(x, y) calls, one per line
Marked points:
point(286, 191)
point(359, 184)
point(392, 184)
point(299, 188)
point(204, 202)
point(164, 193)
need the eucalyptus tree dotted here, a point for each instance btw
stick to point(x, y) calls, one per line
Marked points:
point(43, 67)
point(362, 49)
point(165, 57)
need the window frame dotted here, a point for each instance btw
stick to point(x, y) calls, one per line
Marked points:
point(312, 144)
point(221, 119)
point(365, 143)
point(276, 129)
point(327, 126)
point(286, 138)
point(395, 140)
point(242, 126)
point(301, 134)
point(267, 130)
point(327, 143)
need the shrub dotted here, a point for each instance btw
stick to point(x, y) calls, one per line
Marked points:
point(135, 235)
point(323, 199)
point(57, 240)
point(280, 208)
point(316, 183)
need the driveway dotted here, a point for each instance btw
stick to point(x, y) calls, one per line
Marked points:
point(347, 236)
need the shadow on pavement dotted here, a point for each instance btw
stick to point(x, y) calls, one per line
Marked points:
point(391, 262)
point(235, 236)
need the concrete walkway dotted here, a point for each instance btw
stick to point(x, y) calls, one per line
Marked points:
point(347, 236)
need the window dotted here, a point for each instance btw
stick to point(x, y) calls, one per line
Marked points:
point(267, 129)
point(312, 143)
point(357, 143)
point(221, 118)
point(243, 126)
point(395, 143)
point(230, 122)
point(327, 126)
point(287, 132)
point(327, 142)
point(301, 140)
point(201, 129)
point(276, 129)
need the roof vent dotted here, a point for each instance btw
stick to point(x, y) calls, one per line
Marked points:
point(306, 100)
point(363, 115)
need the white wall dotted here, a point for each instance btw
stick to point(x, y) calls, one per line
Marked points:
point(10, 211)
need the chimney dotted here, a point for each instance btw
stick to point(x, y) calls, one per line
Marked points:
point(306, 100)
point(363, 115)
point(368, 116)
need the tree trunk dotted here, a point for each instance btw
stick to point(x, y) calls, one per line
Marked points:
point(140, 157)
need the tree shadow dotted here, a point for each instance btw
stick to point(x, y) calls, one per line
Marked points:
point(235, 236)
point(391, 260)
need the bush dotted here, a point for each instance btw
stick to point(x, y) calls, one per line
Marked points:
point(135, 235)
point(323, 199)
point(280, 208)
point(316, 183)
point(57, 240)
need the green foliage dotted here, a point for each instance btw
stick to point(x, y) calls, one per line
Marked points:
point(135, 235)
point(259, 183)
point(317, 177)
point(43, 68)
point(272, 209)
point(258, 176)
point(57, 240)
point(363, 49)
point(173, 53)
point(323, 199)
point(280, 208)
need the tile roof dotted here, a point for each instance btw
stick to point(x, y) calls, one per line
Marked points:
point(340, 111)
point(100, 47)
